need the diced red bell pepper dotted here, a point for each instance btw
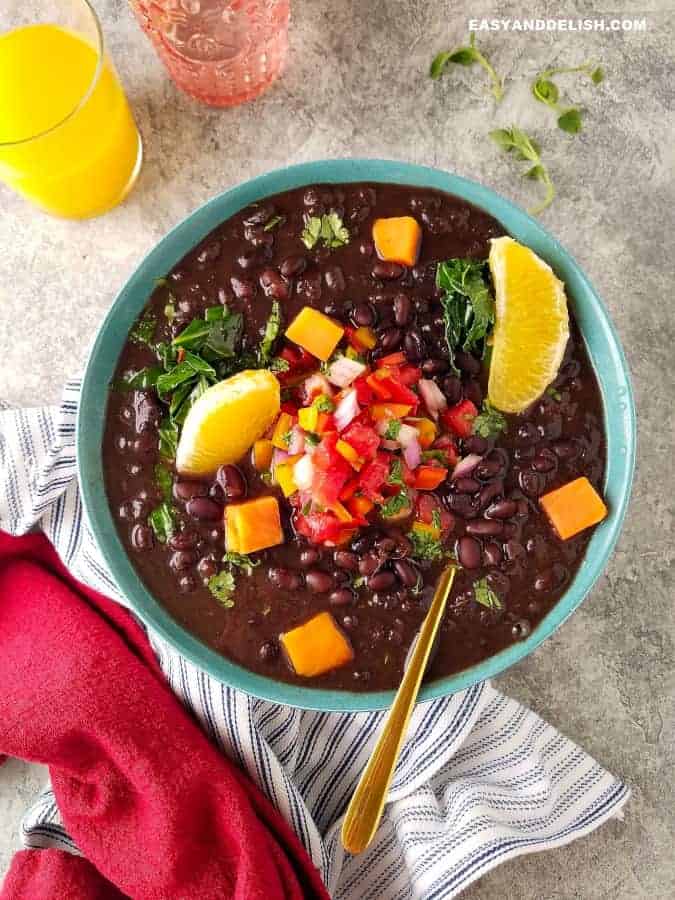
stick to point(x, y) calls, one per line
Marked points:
point(392, 359)
point(364, 393)
point(427, 478)
point(401, 394)
point(409, 375)
point(319, 527)
point(425, 507)
point(325, 422)
point(290, 409)
point(363, 438)
point(459, 418)
point(373, 476)
point(379, 387)
point(359, 507)
point(349, 490)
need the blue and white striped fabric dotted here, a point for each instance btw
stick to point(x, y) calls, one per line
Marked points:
point(481, 779)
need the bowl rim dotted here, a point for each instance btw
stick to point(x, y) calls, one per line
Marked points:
point(602, 342)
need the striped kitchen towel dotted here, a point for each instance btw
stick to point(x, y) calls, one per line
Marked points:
point(481, 778)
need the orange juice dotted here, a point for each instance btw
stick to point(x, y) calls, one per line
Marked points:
point(68, 140)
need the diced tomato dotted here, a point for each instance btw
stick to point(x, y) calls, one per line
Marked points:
point(359, 507)
point(459, 418)
point(318, 527)
point(373, 476)
point(425, 507)
point(349, 490)
point(392, 359)
point(325, 422)
point(409, 375)
point(289, 408)
point(364, 439)
point(380, 411)
point(427, 478)
point(445, 445)
point(331, 471)
point(379, 387)
point(364, 393)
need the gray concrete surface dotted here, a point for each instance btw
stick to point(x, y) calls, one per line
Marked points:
point(356, 85)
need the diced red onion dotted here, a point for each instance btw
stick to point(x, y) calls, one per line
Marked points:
point(278, 457)
point(316, 385)
point(346, 410)
point(344, 370)
point(297, 441)
point(407, 435)
point(413, 454)
point(465, 466)
point(433, 397)
point(303, 472)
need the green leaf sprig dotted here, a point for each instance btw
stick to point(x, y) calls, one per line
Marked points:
point(467, 56)
point(272, 329)
point(162, 520)
point(490, 422)
point(328, 229)
point(484, 595)
point(546, 91)
point(468, 306)
point(526, 148)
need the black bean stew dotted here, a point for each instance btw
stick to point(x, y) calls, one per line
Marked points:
point(377, 580)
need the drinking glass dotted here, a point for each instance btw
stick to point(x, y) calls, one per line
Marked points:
point(221, 52)
point(68, 140)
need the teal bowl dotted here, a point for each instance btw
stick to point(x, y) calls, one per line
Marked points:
point(601, 340)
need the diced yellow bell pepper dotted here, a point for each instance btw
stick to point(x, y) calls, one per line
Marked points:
point(389, 410)
point(315, 332)
point(262, 454)
point(427, 431)
point(308, 417)
point(283, 475)
point(423, 528)
point(253, 525)
point(341, 513)
point(349, 453)
point(283, 426)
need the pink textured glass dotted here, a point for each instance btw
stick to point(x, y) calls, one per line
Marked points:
point(221, 52)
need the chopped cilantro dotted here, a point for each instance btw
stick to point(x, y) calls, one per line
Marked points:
point(164, 480)
point(279, 364)
point(426, 546)
point(272, 329)
point(396, 472)
point(324, 403)
point(241, 561)
point(273, 222)
point(286, 438)
point(144, 329)
point(222, 588)
point(436, 519)
point(557, 396)
point(329, 229)
point(393, 429)
point(307, 508)
point(484, 595)
point(394, 505)
point(312, 439)
point(490, 422)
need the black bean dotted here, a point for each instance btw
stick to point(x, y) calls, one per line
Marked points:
point(487, 468)
point(283, 578)
point(366, 248)
point(531, 483)
point(466, 485)
point(407, 573)
point(434, 366)
point(363, 315)
point(217, 493)
point(473, 392)
point(499, 582)
point(207, 567)
point(346, 560)
point(146, 443)
point(503, 509)
point(293, 265)
point(147, 411)
point(390, 338)
point(186, 490)
point(462, 504)
point(452, 388)
point(308, 286)
point(491, 490)
point(514, 550)
point(341, 597)
point(414, 345)
point(248, 259)
point(273, 285)
point(467, 363)
point(380, 581)
point(182, 559)
point(521, 629)
point(403, 546)
point(484, 527)
point(468, 552)
point(258, 215)
point(309, 557)
point(361, 544)
point(401, 309)
point(565, 449)
point(350, 622)
point(492, 554)
point(387, 271)
point(184, 540)
point(142, 537)
point(544, 581)
point(474, 444)
point(203, 508)
point(335, 279)
point(527, 434)
point(232, 481)
point(243, 288)
point(545, 461)
point(319, 582)
point(268, 651)
point(186, 583)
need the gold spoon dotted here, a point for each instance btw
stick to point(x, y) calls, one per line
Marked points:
point(365, 808)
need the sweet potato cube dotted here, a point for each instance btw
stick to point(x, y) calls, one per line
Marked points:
point(315, 332)
point(398, 239)
point(317, 646)
point(253, 525)
point(573, 507)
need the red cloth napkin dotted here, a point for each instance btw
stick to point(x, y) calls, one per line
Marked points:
point(156, 810)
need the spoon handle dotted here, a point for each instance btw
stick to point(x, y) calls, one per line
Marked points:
point(365, 808)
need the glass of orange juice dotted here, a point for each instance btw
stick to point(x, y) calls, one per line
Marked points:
point(68, 140)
